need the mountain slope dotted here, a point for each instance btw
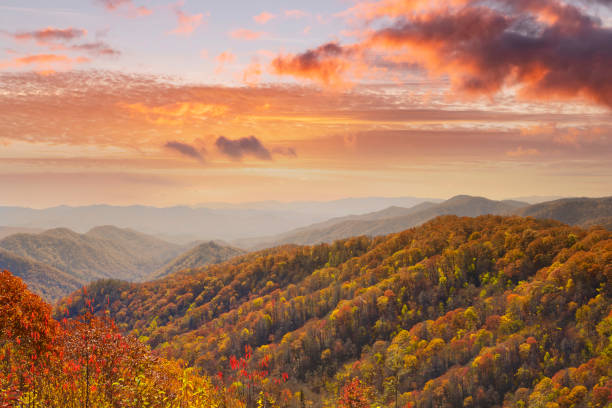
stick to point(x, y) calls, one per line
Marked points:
point(6, 231)
point(103, 252)
point(204, 254)
point(387, 221)
point(44, 280)
point(478, 312)
point(583, 212)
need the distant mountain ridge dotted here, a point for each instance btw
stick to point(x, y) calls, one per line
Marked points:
point(58, 261)
point(389, 220)
point(103, 252)
point(212, 221)
point(581, 211)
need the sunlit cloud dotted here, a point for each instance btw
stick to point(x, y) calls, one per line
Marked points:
point(128, 6)
point(248, 35)
point(296, 13)
point(324, 64)
point(44, 63)
point(176, 113)
point(541, 50)
point(49, 35)
point(264, 17)
point(187, 23)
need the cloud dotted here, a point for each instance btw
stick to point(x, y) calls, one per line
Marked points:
point(186, 23)
point(50, 35)
point(521, 152)
point(295, 13)
point(56, 39)
point(252, 73)
point(186, 150)
point(107, 106)
point(326, 64)
point(132, 9)
point(545, 49)
point(244, 34)
point(176, 113)
point(285, 151)
point(244, 146)
point(44, 63)
point(263, 17)
point(98, 48)
point(226, 57)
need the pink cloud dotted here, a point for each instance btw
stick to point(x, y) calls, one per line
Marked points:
point(244, 34)
point(264, 17)
point(295, 13)
point(226, 57)
point(50, 34)
point(252, 74)
point(186, 23)
point(132, 9)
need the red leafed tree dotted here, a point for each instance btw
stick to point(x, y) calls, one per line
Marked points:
point(355, 394)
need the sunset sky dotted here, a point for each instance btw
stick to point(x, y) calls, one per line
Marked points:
point(163, 103)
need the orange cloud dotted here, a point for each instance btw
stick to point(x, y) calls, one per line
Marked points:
point(252, 74)
point(186, 23)
point(245, 34)
point(50, 34)
point(545, 49)
point(264, 17)
point(176, 113)
point(326, 65)
point(226, 57)
point(44, 62)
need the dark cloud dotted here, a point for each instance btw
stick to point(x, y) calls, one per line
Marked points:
point(485, 50)
point(57, 39)
point(285, 151)
point(245, 146)
point(544, 48)
point(97, 48)
point(186, 150)
point(326, 64)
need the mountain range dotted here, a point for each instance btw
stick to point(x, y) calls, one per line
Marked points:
point(183, 224)
point(57, 261)
point(579, 211)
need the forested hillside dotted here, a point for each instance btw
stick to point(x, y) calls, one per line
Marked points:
point(44, 280)
point(103, 252)
point(475, 312)
point(583, 212)
point(203, 254)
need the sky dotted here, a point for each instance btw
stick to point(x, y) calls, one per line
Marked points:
point(164, 103)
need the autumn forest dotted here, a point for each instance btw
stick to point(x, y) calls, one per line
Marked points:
point(306, 204)
point(474, 312)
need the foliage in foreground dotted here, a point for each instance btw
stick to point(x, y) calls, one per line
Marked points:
point(87, 363)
